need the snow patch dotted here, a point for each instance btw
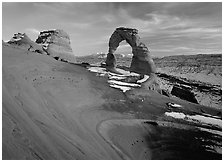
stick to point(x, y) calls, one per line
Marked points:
point(173, 105)
point(207, 120)
point(132, 74)
point(175, 115)
point(123, 83)
point(195, 118)
point(117, 77)
point(17, 37)
point(45, 45)
point(97, 70)
point(45, 40)
point(217, 117)
point(123, 88)
point(114, 79)
point(144, 79)
point(211, 131)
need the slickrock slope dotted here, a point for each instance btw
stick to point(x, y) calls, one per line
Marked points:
point(57, 44)
point(23, 41)
point(57, 110)
point(50, 109)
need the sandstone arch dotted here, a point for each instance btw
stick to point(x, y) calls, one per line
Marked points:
point(142, 62)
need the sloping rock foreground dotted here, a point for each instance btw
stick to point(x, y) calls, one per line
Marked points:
point(57, 110)
point(55, 43)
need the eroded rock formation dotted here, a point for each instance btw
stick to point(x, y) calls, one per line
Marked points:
point(142, 62)
point(57, 44)
point(23, 41)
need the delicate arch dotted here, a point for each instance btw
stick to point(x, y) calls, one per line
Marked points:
point(142, 62)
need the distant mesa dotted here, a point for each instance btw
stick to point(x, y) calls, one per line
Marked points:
point(23, 41)
point(57, 44)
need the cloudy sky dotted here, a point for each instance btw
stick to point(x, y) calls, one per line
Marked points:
point(166, 28)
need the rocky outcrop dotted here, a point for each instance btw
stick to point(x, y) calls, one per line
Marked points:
point(24, 42)
point(57, 44)
point(205, 94)
point(142, 62)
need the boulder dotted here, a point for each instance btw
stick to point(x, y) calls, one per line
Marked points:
point(57, 44)
point(183, 93)
point(21, 40)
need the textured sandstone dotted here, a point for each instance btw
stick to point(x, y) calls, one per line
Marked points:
point(57, 44)
point(24, 42)
point(52, 110)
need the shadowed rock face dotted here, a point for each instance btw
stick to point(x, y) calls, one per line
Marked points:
point(184, 93)
point(24, 42)
point(142, 62)
point(57, 44)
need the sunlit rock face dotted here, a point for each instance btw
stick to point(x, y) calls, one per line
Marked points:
point(21, 40)
point(57, 44)
point(142, 62)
